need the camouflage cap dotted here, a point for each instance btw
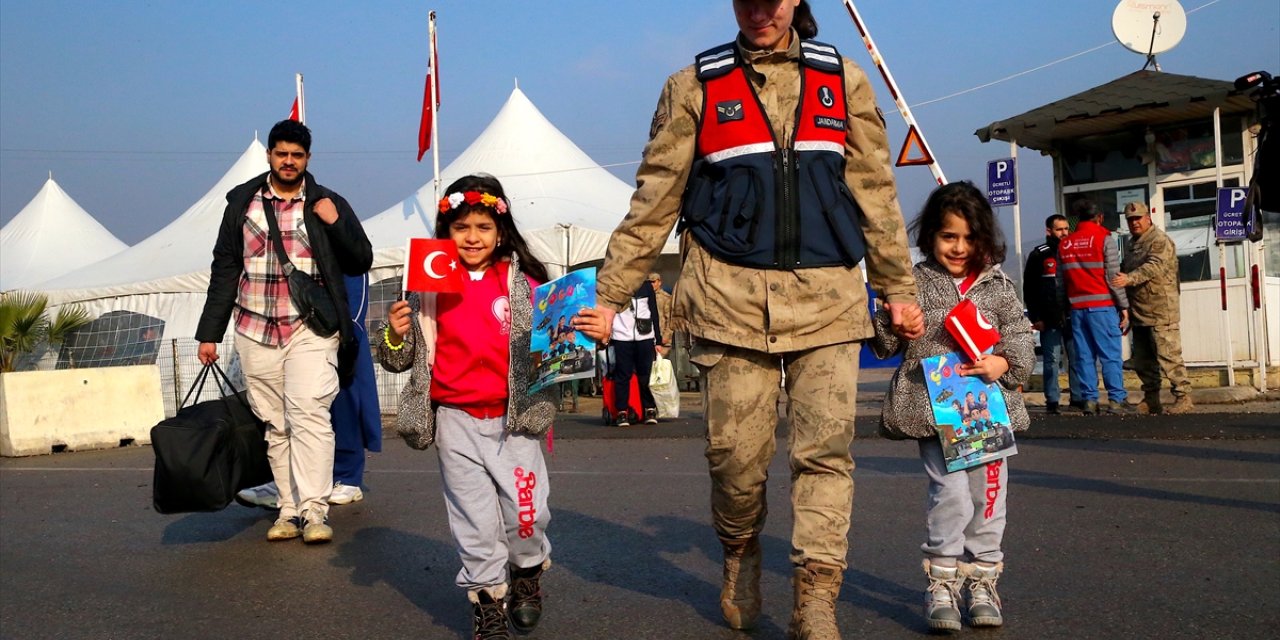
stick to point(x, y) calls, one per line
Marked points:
point(654, 276)
point(1136, 210)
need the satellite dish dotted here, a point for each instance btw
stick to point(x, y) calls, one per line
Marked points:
point(1149, 27)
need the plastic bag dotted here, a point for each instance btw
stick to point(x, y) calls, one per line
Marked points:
point(666, 393)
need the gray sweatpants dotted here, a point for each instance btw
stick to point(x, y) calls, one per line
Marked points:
point(966, 509)
point(495, 488)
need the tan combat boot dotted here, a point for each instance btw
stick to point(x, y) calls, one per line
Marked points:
point(1182, 404)
point(817, 587)
point(740, 591)
point(1150, 404)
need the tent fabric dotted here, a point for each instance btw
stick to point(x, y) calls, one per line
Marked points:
point(166, 275)
point(565, 204)
point(51, 236)
point(554, 187)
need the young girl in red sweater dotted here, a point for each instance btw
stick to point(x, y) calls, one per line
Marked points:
point(469, 394)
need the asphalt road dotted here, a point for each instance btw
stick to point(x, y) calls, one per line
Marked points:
point(1119, 528)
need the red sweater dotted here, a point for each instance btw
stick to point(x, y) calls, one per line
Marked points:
point(473, 345)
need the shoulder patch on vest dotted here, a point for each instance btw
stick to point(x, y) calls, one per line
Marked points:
point(820, 56)
point(716, 61)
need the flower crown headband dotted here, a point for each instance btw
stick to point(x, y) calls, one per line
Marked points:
point(456, 198)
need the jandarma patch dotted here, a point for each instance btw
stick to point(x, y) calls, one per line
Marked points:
point(728, 110)
point(827, 122)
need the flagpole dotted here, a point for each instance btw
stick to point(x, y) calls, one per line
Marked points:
point(893, 88)
point(435, 106)
point(302, 102)
point(404, 275)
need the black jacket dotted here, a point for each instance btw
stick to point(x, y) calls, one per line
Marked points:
point(1042, 287)
point(338, 249)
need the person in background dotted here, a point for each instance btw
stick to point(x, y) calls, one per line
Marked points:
point(355, 414)
point(666, 338)
point(1046, 308)
point(292, 372)
point(634, 340)
point(1089, 261)
point(1150, 277)
point(770, 154)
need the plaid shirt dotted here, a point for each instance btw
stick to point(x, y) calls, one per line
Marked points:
point(264, 311)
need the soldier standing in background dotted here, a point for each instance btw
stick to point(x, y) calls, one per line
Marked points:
point(771, 154)
point(1149, 272)
point(664, 313)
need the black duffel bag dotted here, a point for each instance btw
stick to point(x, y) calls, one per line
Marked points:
point(208, 452)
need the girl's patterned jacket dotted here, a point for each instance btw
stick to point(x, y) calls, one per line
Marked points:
point(907, 412)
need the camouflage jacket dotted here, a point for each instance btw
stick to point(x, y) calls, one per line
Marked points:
point(766, 310)
point(1151, 262)
point(664, 316)
point(907, 413)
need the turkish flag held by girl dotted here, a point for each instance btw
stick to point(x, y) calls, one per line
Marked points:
point(432, 265)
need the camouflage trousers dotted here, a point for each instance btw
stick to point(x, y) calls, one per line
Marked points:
point(741, 391)
point(1157, 351)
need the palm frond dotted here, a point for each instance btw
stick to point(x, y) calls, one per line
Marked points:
point(70, 317)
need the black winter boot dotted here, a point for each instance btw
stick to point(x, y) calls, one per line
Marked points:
point(489, 613)
point(526, 596)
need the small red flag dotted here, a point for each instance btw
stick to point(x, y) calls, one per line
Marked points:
point(972, 331)
point(432, 265)
point(293, 112)
point(424, 127)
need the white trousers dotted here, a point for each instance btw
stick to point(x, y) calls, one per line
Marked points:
point(292, 387)
point(495, 488)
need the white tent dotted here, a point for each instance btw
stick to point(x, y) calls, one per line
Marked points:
point(166, 275)
point(565, 204)
point(51, 236)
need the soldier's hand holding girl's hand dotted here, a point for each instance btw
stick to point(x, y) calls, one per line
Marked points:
point(989, 368)
point(399, 321)
point(596, 323)
point(907, 319)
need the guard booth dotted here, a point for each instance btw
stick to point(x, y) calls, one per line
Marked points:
point(1171, 141)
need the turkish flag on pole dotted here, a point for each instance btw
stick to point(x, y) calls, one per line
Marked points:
point(971, 330)
point(432, 265)
point(430, 92)
point(299, 110)
point(424, 127)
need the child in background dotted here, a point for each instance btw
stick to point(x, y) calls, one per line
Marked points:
point(468, 393)
point(966, 510)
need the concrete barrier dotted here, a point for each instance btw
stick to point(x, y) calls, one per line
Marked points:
point(77, 409)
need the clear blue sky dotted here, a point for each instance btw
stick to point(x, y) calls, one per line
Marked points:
point(138, 107)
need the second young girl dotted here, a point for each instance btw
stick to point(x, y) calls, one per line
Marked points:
point(468, 394)
point(965, 520)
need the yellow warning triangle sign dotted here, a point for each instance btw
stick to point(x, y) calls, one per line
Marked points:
point(913, 141)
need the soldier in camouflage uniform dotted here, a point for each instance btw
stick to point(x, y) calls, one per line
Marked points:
point(664, 312)
point(1149, 272)
point(748, 323)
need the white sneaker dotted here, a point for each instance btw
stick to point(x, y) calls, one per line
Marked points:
point(266, 496)
point(345, 494)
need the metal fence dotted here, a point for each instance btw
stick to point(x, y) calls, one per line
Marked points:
point(179, 368)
